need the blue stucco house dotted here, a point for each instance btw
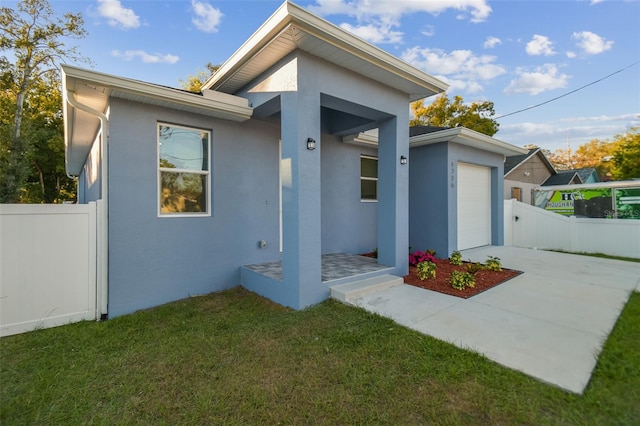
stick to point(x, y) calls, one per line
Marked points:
point(266, 166)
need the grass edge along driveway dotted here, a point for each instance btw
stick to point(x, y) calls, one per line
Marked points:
point(236, 358)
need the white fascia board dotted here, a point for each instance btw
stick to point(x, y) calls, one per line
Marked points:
point(468, 137)
point(290, 13)
point(228, 106)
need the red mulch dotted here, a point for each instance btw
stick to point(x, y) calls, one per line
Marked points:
point(484, 279)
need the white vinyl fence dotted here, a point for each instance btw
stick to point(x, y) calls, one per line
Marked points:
point(533, 227)
point(47, 265)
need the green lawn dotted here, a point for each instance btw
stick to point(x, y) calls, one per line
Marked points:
point(235, 358)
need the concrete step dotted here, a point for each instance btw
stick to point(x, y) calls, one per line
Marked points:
point(355, 289)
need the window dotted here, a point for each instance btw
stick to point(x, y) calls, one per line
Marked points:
point(368, 178)
point(516, 193)
point(183, 171)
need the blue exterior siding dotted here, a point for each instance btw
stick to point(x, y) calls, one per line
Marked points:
point(90, 179)
point(155, 260)
point(429, 199)
point(433, 201)
point(348, 224)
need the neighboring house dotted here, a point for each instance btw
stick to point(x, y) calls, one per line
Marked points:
point(258, 169)
point(523, 173)
point(563, 177)
point(588, 175)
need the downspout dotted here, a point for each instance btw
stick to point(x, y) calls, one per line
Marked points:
point(102, 271)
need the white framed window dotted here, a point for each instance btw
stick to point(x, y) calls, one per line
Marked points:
point(184, 176)
point(368, 178)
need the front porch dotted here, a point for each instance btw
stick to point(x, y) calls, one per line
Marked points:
point(337, 268)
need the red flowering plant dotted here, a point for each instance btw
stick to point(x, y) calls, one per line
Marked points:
point(421, 256)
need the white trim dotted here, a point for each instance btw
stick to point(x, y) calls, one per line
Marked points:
point(368, 178)
point(467, 137)
point(290, 15)
point(208, 190)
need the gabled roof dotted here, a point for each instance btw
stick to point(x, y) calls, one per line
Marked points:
point(462, 136)
point(563, 177)
point(92, 90)
point(513, 161)
point(423, 130)
point(587, 172)
point(292, 27)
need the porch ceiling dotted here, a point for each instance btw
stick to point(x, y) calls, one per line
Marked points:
point(291, 27)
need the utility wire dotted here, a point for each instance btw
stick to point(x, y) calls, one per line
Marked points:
point(568, 93)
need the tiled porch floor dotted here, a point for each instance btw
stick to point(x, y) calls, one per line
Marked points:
point(335, 266)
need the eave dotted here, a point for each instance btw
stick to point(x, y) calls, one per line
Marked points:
point(467, 137)
point(291, 27)
point(94, 89)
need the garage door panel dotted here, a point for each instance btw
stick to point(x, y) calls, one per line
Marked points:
point(474, 206)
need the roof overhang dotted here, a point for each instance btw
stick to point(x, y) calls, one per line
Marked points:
point(291, 27)
point(93, 90)
point(467, 137)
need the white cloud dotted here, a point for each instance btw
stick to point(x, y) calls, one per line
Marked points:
point(491, 42)
point(383, 17)
point(118, 15)
point(461, 68)
point(541, 79)
point(475, 10)
point(145, 57)
point(540, 45)
point(207, 18)
point(375, 33)
point(429, 31)
point(571, 54)
point(591, 43)
point(555, 134)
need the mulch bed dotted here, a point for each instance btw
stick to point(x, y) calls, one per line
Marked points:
point(484, 279)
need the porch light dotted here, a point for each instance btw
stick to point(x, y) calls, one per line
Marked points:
point(403, 160)
point(311, 144)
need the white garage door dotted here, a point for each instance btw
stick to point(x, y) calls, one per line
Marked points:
point(474, 206)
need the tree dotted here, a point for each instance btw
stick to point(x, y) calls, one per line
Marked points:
point(33, 35)
point(626, 157)
point(442, 112)
point(194, 83)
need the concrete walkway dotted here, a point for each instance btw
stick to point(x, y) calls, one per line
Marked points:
point(549, 322)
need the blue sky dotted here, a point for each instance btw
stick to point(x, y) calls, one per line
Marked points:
point(514, 53)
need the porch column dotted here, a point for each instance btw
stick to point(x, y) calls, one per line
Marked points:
point(301, 210)
point(393, 194)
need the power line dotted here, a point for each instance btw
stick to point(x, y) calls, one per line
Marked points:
point(568, 93)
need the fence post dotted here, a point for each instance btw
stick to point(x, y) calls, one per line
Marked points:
point(102, 261)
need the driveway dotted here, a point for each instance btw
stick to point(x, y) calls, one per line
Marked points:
point(549, 322)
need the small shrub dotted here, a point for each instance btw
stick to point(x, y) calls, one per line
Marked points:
point(493, 263)
point(419, 257)
point(426, 270)
point(456, 258)
point(474, 267)
point(461, 280)
point(431, 252)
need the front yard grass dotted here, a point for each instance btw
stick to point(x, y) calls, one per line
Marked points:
point(235, 358)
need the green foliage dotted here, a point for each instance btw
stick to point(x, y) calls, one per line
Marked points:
point(31, 126)
point(234, 358)
point(626, 157)
point(456, 258)
point(442, 112)
point(426, 270)
point(194, 83)
point(474, 267)
point(461, 280)
point(493, 263)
